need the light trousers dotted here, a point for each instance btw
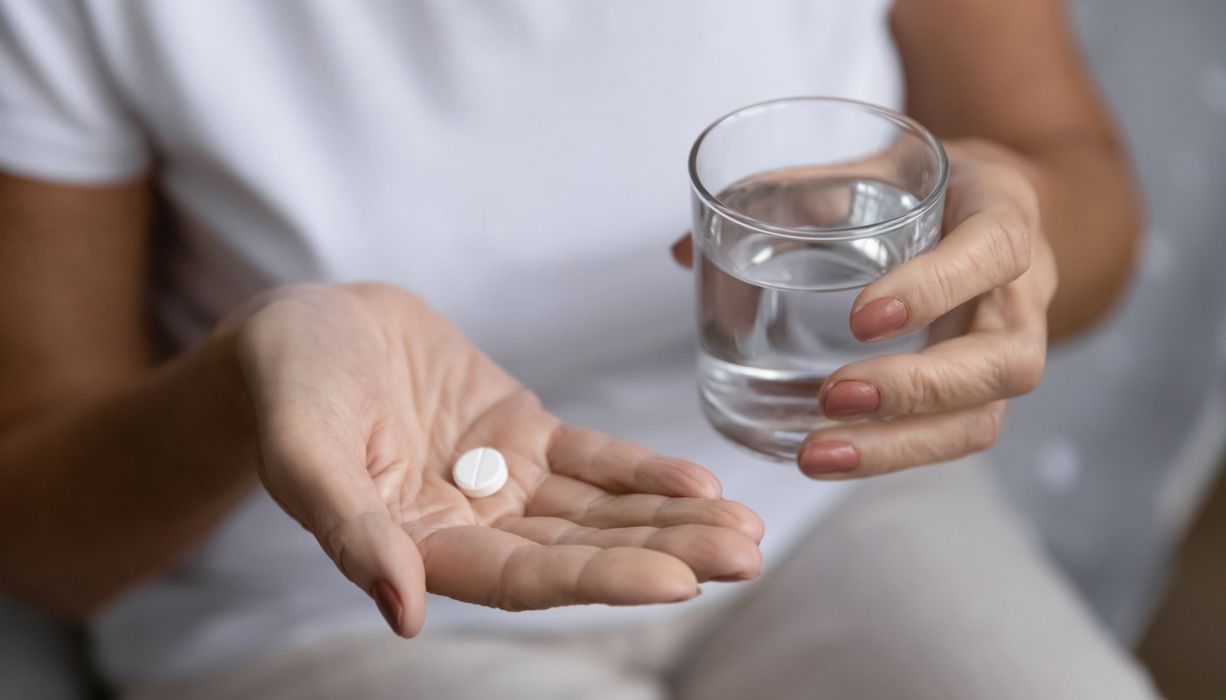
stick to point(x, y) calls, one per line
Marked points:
point(920, 586)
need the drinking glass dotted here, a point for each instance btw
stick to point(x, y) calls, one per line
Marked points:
point(798, 204)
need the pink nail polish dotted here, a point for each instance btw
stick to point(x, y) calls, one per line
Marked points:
point(879, 317)
point(388, 603)
point(851, 398)
point(828, 457)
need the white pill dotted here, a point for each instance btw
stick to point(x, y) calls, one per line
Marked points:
point(480, 472)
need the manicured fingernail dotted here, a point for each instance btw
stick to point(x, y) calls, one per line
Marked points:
point(828, 457)
point(879, 317)
point(851, 398)
point(683, 251)
point(388, 603)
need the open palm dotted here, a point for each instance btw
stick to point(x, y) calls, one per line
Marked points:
point(365, 398)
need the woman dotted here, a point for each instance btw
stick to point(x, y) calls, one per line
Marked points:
point(511, 174)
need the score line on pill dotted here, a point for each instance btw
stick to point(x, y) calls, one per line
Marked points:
point(480, 472)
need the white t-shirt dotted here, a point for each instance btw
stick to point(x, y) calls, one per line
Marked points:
point(519, 164)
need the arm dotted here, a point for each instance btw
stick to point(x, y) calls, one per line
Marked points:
point(350, 403)
point(108, 467)
point(1009, 73)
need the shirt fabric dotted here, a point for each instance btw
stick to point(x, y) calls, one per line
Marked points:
point(520, 165)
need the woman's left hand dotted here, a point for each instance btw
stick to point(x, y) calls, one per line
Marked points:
point(984, 290)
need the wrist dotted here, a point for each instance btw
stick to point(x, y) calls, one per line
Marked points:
point(233, 395)
point(210, 384)
point(995, 152)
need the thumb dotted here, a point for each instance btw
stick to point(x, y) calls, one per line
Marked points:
point(322, 483)
point(379, 557)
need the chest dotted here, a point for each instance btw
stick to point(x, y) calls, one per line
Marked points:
point(515, 162)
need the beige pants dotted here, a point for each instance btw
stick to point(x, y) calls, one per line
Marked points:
point(919, 586)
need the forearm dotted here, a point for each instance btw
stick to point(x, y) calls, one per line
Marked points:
point(1091, 216)
point(1010, 73)
point(100, 493)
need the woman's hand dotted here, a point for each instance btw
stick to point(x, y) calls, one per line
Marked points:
point(984, 290)
point(364, 399)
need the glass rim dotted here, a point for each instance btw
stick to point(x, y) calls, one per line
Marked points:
point(822, 233)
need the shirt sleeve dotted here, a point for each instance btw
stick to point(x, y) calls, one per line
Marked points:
point(60, 116)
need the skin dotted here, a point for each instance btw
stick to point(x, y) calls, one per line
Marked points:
point(1013, 83)
point(113, 464)
point(365, 399)
point(1039, 188)
point(349, 403)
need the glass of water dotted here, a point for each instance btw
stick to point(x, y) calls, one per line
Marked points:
point(798, 204)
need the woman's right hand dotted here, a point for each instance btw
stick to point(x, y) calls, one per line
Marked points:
point(364, 398)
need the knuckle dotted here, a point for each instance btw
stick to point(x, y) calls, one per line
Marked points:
point(1007, 240)
point(928, 447)
point(922, 389)
point(939, 294)
point(1024, 194)
point(507, 595)
point(1013, 179)
point(335, 543)
point(984, 428)
point(1024, 371)
point(1043, 262)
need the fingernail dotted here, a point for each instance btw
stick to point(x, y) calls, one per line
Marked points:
point(878, 317)
point(683, 251)
point(388, 603)
point(851, 398)
point(828, 457)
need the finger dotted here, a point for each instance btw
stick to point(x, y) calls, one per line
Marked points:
point(623, 467)
point(683, 251)
point(584, 504)
point(967, 371)
point(987, 250)
point(322, 483)
point(503, 570)
point(378, 556)
point(711, 552)
point(878, 447)
point(992, 210)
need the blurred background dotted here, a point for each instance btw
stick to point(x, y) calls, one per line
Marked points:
point(1116, 458)
point(1119, 451)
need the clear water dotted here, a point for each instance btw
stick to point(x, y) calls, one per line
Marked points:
point(774, 311)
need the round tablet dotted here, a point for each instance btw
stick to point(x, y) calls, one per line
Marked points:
point(480, 472)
